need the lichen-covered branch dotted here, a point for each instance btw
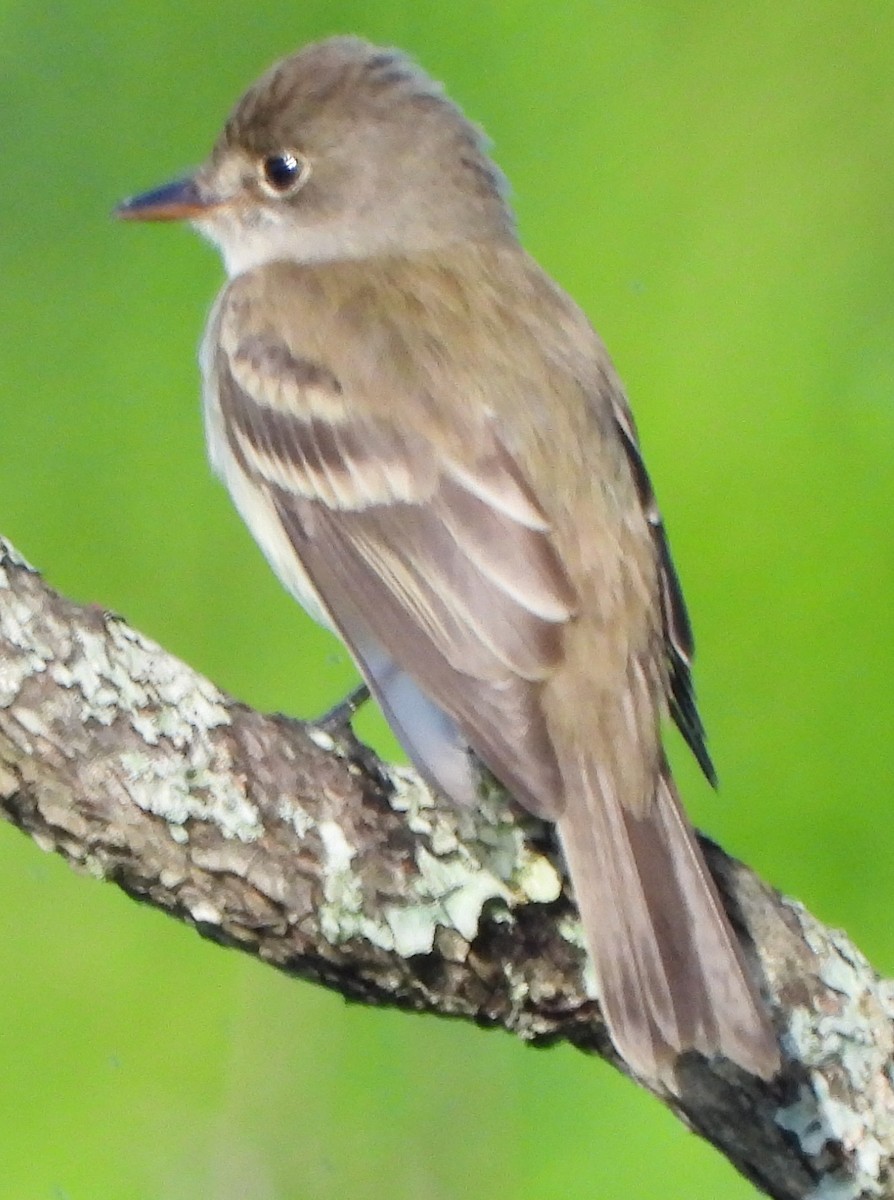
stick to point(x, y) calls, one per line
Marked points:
point(267, 834)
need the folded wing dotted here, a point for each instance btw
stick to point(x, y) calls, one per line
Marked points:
point(444, 568)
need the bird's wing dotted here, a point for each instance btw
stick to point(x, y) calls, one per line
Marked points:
point(441, 566)
point(678, 639)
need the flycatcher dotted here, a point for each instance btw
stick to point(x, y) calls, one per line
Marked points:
point(432, 448)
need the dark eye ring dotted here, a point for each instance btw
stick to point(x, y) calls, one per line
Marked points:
point(283, 173)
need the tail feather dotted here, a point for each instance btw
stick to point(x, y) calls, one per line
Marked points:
point(671, 973)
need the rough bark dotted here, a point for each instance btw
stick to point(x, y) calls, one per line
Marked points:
point(269, 835)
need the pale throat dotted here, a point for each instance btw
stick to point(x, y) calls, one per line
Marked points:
point(246, 246)
point(249, 244)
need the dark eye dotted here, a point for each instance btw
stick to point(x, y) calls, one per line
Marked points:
point(283, 172)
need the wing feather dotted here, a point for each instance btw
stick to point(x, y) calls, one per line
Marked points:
point(448, 569)
point(678, 639)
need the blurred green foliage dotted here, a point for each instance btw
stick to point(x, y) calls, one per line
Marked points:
point(715, 185)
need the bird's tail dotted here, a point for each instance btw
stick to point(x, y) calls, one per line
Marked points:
point(670, 970)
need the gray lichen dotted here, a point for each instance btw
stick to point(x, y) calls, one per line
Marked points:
point(839, 1110)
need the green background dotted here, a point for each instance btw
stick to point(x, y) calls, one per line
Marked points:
point(714, 183)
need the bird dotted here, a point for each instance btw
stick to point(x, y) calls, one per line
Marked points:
point(430, 444)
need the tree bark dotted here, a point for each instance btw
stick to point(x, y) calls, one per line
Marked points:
point(303, 849)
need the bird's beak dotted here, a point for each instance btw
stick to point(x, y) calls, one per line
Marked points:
point(182, 200)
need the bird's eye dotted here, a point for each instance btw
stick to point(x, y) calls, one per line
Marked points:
point(283, 173)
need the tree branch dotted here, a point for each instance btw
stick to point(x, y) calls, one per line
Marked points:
point(306, 851)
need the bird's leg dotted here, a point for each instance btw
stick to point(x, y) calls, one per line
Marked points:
point(338, 719)
point(336, 724)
